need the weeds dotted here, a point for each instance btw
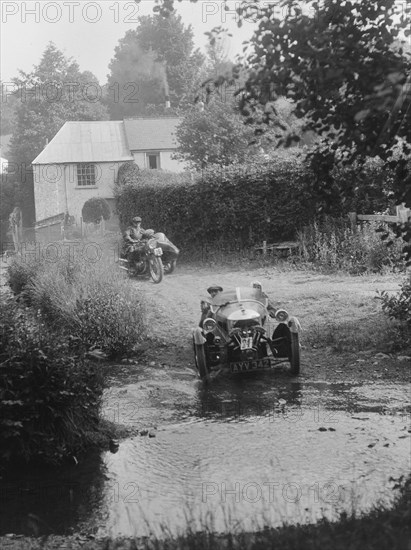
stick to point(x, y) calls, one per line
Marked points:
point(92, 302)
point(335, 246)
point(374, 332)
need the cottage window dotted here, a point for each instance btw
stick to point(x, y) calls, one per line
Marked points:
point(86, 175)
point(153, 161)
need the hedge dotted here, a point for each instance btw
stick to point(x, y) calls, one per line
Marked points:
point(232, 208)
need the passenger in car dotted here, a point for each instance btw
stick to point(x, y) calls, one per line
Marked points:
point(213, 290)
point(268, 303)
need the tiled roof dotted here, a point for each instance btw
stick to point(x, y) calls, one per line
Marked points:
point(147, 134)
point(87, 141)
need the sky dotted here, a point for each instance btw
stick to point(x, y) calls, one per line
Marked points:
point(89, 31)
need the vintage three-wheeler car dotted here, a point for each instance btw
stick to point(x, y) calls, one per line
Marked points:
point(240, 331)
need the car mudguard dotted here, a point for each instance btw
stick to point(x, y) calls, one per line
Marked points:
point(198, 336)
point(294, 325)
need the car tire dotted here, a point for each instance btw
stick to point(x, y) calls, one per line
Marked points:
point(156, 269)
point(294, 356)
point(201, 361)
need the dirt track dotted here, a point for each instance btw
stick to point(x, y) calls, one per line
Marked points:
point(319, 301)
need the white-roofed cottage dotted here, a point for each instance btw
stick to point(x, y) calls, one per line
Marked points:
point(83, 159)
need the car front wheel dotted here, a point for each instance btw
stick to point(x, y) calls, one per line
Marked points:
point(201, 361)
point(294, 353)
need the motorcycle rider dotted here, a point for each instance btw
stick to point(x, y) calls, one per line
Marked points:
point(133, 234)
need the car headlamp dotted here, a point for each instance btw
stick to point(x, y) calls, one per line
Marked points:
point(281, 315)
point(209, 324)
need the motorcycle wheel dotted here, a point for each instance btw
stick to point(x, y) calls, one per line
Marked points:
point(201, 361)
point(156, 269)
point(294, 356)
point(169, 267)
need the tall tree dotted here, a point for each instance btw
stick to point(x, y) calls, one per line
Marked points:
point(215, 133)
point(155, 61)
point(54, 92)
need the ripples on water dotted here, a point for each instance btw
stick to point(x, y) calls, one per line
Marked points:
point(244, 454)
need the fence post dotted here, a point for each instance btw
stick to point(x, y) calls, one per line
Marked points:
point(403, 213)
point(353, 220)
point(264, 248)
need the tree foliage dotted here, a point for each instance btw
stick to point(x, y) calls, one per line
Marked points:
point(53, 93)
point(214, 135)
point(155, 60)
point(340, 62)
point(343, 65)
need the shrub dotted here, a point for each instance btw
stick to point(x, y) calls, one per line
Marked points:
point(127, 173)
point(21, 272)
point(93, 302)
point(332, 244)
point(398, 306)
point(49, 393)
point(95, 209)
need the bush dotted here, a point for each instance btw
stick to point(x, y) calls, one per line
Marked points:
point(95, 209)
point(333, 245)
point(398, 306)
point(127, 173)
point(49, 393)
point(231, 208)
point(93, 302)
point(21, 272)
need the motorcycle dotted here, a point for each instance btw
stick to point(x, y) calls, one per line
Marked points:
point(170, 252)
point(144, 258)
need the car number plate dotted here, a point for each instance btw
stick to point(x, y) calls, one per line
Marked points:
point(247, 343)
point(158, 251)
point(244, 366)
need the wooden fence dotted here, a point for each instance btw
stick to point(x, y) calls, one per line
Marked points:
point(402, 215)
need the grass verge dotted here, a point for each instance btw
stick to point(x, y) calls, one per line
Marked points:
point(382, 529)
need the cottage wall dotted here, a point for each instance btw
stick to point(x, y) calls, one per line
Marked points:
point(166, 162)
point(56, 189)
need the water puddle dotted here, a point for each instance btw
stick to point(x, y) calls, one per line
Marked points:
point(240, 454)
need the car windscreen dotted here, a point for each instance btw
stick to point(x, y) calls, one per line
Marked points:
point(238, 294)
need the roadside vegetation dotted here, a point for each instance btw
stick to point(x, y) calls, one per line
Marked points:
point(50, 385)
point(382, 528)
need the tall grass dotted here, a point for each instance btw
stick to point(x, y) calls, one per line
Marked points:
point(93, 302)
point(333, 245)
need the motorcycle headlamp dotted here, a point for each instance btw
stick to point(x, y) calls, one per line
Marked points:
point(209, 324)
point(281, 315)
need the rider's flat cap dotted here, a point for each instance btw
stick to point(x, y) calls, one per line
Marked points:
point(137, 219)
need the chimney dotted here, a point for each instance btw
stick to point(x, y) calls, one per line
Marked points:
point(168, 104)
